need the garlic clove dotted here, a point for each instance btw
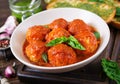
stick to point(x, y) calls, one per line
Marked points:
point(9, 72)
point(4, 81)
point(9, 25)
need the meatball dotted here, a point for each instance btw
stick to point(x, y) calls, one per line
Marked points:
point(89, 41)
point(61, 54)
point(57, 33)
point(35, 50)
point(77, 26)
point(36, 33)
point(58, 23)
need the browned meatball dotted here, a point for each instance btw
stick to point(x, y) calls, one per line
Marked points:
point(77, 26)
point(61, 54)
point(57, 33)
point(35, 50)
point(89, 41)
point(58, 23)
point(36, 33)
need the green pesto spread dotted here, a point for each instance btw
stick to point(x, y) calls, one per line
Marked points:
point(102, 12)
point(64, 4)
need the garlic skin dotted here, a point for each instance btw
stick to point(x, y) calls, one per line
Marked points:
point(4, 81)
point(9, 25)
point(4, 35)
point(7, 29)
point(9, 72)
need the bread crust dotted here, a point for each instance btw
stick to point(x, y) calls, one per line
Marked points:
point(107, 19)
point(115, 22)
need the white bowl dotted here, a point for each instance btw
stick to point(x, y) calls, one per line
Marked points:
point(47, 16)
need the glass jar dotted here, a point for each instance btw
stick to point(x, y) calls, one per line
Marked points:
point(22, 9)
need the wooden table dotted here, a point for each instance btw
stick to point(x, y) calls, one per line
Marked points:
point(5, 12)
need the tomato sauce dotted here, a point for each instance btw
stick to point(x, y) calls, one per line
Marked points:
point(60, 54)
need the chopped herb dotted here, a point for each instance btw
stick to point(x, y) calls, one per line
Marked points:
point(57, 41)
point(73, 42)
point(70, 40)
point(44, 57)
point(97, 35)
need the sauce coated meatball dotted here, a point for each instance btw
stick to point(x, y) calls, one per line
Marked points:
point(57, 33)
point(38, 52)
point(36, 33)
point(61, 54)
point(35, 50)
point(89, 41)
point(58, 23)
point(77, 26)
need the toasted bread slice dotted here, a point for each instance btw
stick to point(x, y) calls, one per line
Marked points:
point(116, 21)
point(107, 12)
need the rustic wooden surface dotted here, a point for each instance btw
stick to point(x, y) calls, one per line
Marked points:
point(4, 13)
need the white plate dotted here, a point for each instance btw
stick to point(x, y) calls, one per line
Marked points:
point(47, 16)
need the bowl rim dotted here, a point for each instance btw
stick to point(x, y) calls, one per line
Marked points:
point(66, 66)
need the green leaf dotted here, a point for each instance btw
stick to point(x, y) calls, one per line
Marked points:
point(57, 41)
point(97, 35)
point(111, 69)
point(44, 57)
point(73, 42)
point(117, 11)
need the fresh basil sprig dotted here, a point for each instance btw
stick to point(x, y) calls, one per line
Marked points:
point(73, 42)
point(57, 41)
point(97, 35)
point(111, 69)
point(44, 57)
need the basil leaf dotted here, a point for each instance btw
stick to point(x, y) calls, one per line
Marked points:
point(44, 57)
point(97, 35)
point(73, 42)
point(57, 41)
point(111, 69)
point(117, 11)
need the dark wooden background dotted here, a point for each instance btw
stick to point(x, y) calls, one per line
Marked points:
point(4, 13)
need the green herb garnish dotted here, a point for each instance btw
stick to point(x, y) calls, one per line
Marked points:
point(70, 40)
point(57, 41)
point(111, 69)
point(97, 35)
point(73, 42)
point(44, 57)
